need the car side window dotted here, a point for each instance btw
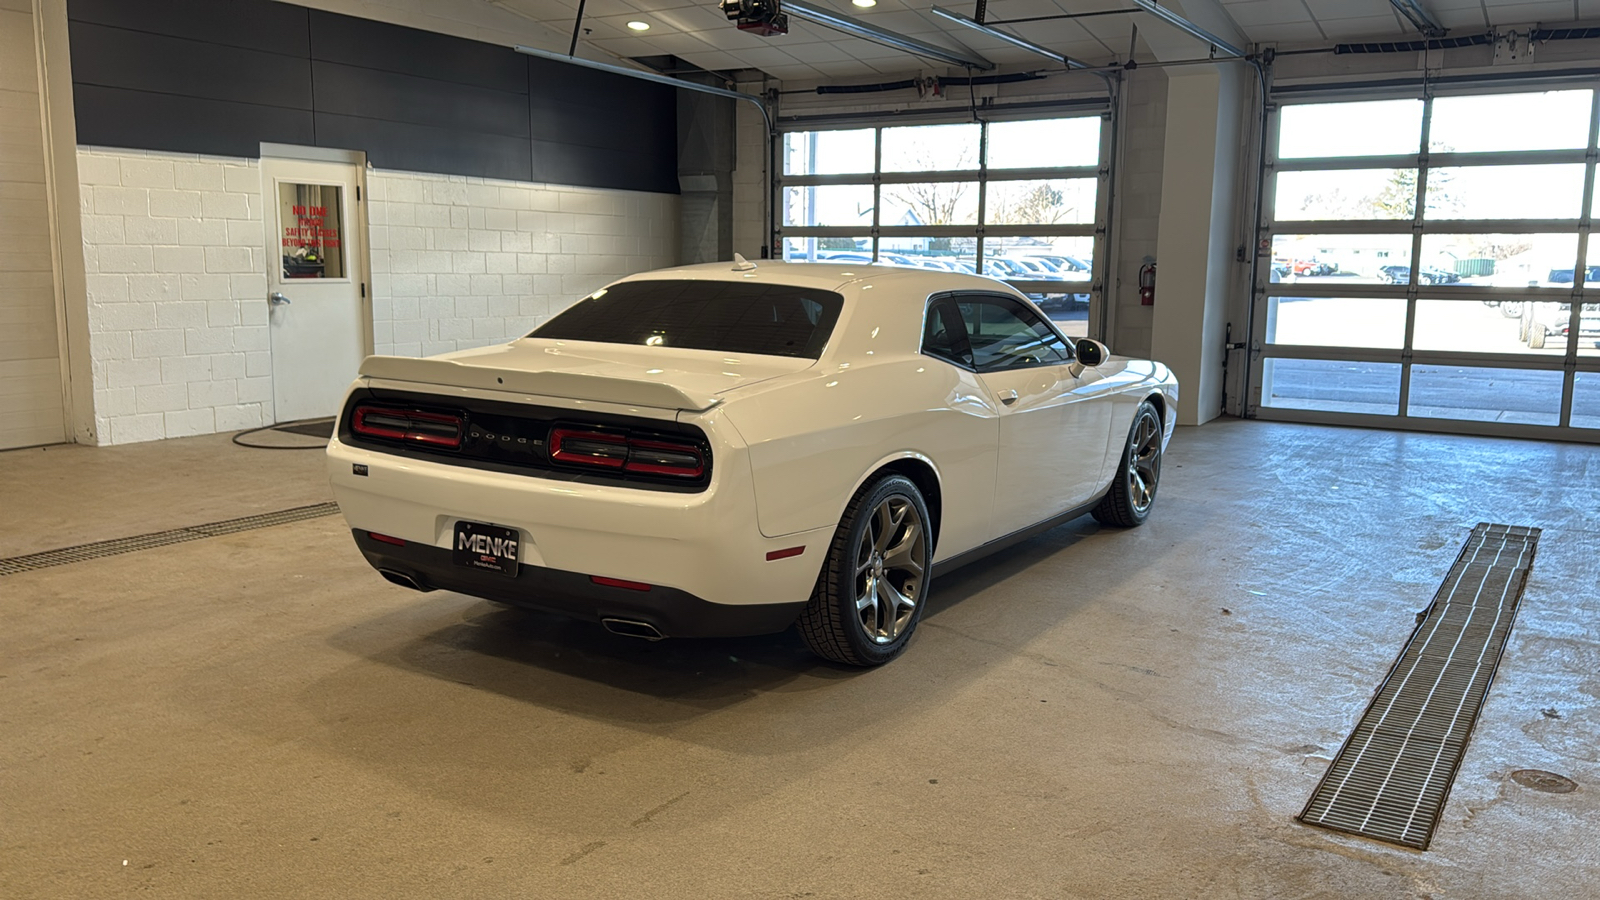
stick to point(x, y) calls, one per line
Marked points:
point(1004, 334)
point(944, 337)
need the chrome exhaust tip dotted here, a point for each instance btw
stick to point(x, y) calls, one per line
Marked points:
point(403, 580)
point(632, 628)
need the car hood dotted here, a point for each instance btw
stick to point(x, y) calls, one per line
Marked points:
point(662, 377)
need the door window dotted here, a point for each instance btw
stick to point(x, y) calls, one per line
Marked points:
point(1004, 334)
point(310, 216)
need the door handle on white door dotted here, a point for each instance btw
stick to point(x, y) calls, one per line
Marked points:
point(1008, 397)
point(277, 299)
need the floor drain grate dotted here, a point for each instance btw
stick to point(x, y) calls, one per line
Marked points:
point(118, 546)
point(1391, 778)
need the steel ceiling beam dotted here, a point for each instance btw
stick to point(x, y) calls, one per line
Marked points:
point(857, 28)
point(1009, 38)
point(656, 77)
point(1188, 27)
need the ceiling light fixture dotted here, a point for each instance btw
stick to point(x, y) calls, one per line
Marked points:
point(1188, 27)
point(864, 4)
point(857, 28)
point(1011, 39)
point(638, 26)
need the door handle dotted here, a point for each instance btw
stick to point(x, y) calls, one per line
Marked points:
point(1008, 397)
point(277, 299)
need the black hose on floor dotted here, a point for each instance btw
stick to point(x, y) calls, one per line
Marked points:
point(275, 425)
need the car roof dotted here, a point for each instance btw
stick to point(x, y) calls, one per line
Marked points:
point(829, 276)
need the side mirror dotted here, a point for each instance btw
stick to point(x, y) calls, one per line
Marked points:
point(1091, 353)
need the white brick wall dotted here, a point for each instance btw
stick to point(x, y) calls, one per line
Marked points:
point(749, 180)
point(461, 262)
point(174, 249)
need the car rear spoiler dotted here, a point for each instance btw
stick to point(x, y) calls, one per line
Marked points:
point(572, 385)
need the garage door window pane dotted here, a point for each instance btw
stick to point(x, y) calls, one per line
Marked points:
point(1586, 400)
point(950, 254)
point(1337, 321)
point(929, 203)
point(1474, 326)
point(1470, 393)
point(930, 148)
point(1331, 386)
point(828, 204)
point(1058, 201)
point(1589, 330)
point(1340, 259)
point(1548, 325)
point(1045, 143)
point(828, 152)
point(1498, 260)
point(1553, 120)
point(828, 249)
point(1347, 194)
point(1367, 128)
point(1505, 192)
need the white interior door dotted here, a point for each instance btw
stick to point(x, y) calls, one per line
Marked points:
point(316, 282)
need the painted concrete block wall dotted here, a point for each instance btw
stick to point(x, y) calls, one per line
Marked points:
point(174, 249)
point(749, 179)
point(461, 262)
point(175, 260)
point(1138, 199)
point(31, 402)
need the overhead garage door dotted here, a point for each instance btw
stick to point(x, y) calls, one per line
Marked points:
point(31, 404)
point(1430, 264)
point(1019, 199)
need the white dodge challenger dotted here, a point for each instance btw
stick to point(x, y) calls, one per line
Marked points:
point(731, 449)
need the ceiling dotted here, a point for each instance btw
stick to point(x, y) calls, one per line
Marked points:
point(698, 33)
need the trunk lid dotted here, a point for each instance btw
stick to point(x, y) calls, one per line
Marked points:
point(658, 377)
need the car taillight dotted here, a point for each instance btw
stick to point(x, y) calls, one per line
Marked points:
point(646, 456)
point(410, 425)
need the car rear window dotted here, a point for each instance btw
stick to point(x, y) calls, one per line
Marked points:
point(728, 317)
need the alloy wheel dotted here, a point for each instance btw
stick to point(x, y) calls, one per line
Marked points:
point(1144, 463)
point(890, 560)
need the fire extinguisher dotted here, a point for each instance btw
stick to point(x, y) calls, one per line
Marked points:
point(1147, 284)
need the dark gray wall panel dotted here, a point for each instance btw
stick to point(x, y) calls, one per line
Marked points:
point(409, 51)
point(114, 117)
point(371, 94)
point(271, 27)
point(559, 163)
point(419, 148)
point(136, 60)
point(222, 76)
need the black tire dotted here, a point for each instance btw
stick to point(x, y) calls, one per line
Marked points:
point(833, 625)
point(1133, 491)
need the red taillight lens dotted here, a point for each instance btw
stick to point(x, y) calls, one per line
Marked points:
point(593, 448)
point(387, 539)
point(665, 458)
point(647, 456)
point(412, 425)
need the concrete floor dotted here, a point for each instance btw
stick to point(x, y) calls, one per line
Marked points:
point(1095, 714)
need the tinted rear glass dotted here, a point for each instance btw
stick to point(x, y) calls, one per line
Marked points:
point(729, 317)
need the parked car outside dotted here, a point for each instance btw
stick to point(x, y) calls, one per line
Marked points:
point(729, 449)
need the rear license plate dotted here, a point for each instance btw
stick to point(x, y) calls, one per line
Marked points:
point(489, 547)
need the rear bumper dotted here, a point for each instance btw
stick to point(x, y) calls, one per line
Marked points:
point(704, 546)
point(671, 612)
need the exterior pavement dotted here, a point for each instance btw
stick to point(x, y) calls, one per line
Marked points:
point(1096, 713)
